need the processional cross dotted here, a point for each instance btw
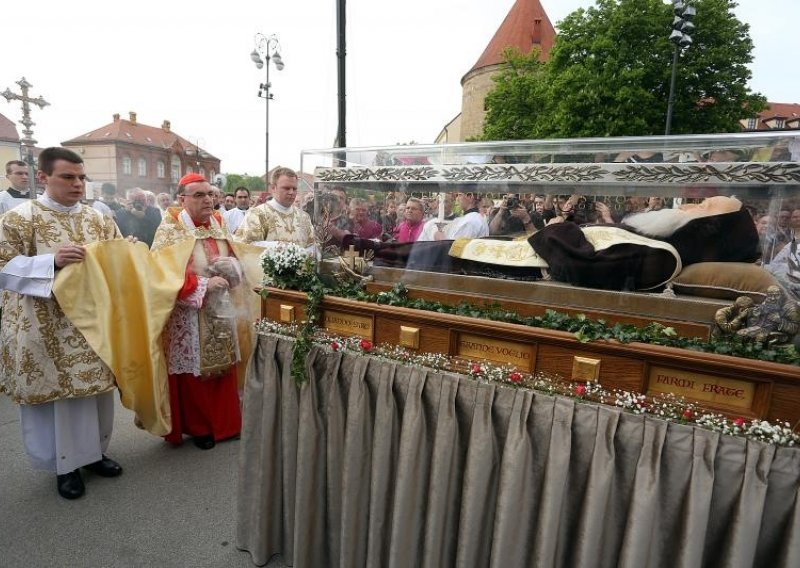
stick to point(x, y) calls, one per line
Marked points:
point(27, 141)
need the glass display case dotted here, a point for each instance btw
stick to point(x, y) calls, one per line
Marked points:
point(653, 226)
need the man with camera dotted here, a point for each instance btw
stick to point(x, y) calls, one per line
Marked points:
point(511, 217)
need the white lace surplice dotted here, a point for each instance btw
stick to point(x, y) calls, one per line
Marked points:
point(183, 330)
point(183, 333)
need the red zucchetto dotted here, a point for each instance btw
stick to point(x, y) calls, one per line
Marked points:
point(190, 178)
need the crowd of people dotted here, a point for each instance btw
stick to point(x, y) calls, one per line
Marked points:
point(400, 218)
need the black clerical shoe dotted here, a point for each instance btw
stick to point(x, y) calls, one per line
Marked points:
point(106, 467)
point(204, 442)
point(70, 485)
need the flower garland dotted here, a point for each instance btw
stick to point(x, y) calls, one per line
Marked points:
point(669, 407)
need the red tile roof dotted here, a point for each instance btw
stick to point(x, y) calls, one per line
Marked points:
point(790, 112)
point(121, 130)
point(8, 132)
point(525, 26)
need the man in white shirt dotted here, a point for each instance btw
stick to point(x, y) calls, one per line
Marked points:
point(65, 391)
point(235, 216)
point(19, 192)
point(278, 219)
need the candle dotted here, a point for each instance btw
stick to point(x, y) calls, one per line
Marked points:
point(440, 217)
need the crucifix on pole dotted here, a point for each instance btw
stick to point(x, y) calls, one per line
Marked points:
point(27, 141)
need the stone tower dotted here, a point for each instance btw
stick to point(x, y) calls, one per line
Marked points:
point(526, 26)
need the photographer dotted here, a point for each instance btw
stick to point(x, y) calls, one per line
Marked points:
point(137, 218)
point(510, 217)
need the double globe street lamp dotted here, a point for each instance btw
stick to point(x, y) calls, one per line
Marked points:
point(267, 49)
point(682, 26)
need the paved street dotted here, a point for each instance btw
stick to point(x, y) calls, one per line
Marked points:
point(172, 507)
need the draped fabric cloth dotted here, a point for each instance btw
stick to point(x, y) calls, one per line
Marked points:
point(373, 463)
point(120, 297)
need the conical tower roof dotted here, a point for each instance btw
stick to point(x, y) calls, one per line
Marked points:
point(525, 26)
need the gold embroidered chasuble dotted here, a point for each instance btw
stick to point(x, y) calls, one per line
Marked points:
point(265, 223)
point(44, 356)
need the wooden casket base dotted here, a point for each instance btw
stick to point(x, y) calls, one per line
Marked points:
point(732, 385)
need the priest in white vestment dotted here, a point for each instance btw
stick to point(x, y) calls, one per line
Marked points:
point(234, 217)
point(278, 219)
point(64, 390)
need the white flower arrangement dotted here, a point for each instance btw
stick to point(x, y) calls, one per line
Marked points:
point(287, 265)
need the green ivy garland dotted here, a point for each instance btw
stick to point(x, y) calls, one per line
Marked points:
point(584, 328)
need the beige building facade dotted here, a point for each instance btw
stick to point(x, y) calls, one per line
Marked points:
point(130, 154)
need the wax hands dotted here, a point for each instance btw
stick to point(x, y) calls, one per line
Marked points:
point(603, 212)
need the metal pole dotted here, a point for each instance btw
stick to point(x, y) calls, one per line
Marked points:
point(341, 140)
point(266, 123)
point(671, 99)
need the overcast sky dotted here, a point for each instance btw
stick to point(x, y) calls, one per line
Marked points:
point(190, 64)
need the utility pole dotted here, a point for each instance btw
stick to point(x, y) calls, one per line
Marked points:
point(341, 52)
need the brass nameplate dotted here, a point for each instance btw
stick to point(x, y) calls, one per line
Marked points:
point(409, 337)
point(348, 324)
point(520, 355)
point(287, 313)
point(701, 387)
point(585, 369)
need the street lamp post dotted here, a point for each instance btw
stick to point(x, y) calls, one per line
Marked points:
point(681, 28)
point(197, 153)
point(267, 48)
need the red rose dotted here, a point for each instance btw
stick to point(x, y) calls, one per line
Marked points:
point(580, 390)
point(476, 368)
point(515, 377)
point(335, 346)
point(739, 422)
point(687, 414)
point(366, 345)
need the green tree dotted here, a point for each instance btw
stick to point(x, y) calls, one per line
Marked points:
point(609, 73)
point(518, 99)
point(254, 183)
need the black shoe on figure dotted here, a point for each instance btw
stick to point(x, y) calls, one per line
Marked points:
point(70, 485)
point(204, 442)
point(106, 467)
